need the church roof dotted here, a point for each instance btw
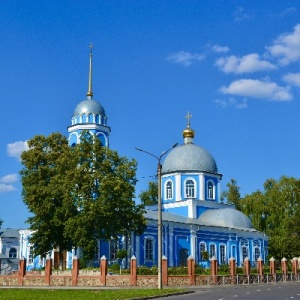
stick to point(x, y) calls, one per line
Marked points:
point(228, 218)
point(189, 157)
point(89, 106)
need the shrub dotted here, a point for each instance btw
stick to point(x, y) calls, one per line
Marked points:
point(115, 267)
point(224, 269)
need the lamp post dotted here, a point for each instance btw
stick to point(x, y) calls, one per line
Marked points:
point(159, 208)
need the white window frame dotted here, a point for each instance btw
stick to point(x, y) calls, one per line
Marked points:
point(30, 254)
point(146, 250)
point(211, 193)
point(190, 192)
point(222, 250)
point(13, 253)
point(201, 249)
point(168, 190)
point(214, 252)
point(113, 248)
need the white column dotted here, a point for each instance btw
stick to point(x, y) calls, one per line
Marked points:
point(178, 187)
point(202, 186)
point(193, 243)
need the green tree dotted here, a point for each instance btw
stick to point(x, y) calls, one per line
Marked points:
point(150, 196)
point(232, 195)
point(78, 194)
point(276, 211)
point(47, 166)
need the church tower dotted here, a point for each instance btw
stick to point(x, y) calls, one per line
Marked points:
point(89, 115)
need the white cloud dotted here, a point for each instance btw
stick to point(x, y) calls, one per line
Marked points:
point(10, 178)
point(287, 47)
point(224, 103)
point(6, 188)
point(292, 78)
point(240, 14)
point(185, 58)
point(220, 49)
point(16, 149)
point(257, 89)
point(246, 64)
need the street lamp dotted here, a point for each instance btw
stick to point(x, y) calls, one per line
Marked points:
point(159, 221)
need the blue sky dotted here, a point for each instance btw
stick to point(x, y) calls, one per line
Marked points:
point(233, 64)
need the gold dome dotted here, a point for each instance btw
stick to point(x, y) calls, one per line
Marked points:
point(188, 133)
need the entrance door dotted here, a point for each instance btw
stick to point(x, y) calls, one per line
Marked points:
point(183, 256)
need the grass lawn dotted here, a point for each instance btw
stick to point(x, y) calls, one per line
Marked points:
point(74, 294)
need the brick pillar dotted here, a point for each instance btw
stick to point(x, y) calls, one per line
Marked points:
point(75, 271)
point(103, 270)
point(232, 266)
point(247, 268)
point(164, 270)
point(191, 270)
point(214, 269)
point(284, 266)
point(295, 266)
point(48, 270)
point(22, 270)
point(272, 266)
point(260, 266)
point(133, 276)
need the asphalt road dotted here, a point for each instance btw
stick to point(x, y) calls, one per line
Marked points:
point(279, 291)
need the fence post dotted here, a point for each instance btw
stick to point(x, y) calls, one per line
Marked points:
point(191, 269)
point(164, 270)
point(232, 266)
point(75, 271)
point(48, 270)
point(214, 269)
point(22, 270)
point(260, 268)
point(103, 270)
point(133, 276)
point(295, 266)
point(284, 267)
point(272, 266)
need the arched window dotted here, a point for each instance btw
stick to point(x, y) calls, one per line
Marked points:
point(244, 248)
point(210, 190)
point(190, 188)
point(13, 253)
point(149, 249)
point(30, 254)
point(256, 250)
point(212, 250)
point(169, 190)
point(202, 250)
point(223, 254)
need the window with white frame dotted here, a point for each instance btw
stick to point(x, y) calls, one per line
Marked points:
point(245, 248)
point(190, 188)
point(113, 248)
point(256, 248)
point(169, 190)
point(223, 254)
point(210, 190)
point(202, 249)
point(149, 249)
point(212, 250)
point(12, 253)
point(30, 255)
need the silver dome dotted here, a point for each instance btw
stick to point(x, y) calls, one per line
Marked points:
point(89, 106)
point(226, 217)
point(189, 157)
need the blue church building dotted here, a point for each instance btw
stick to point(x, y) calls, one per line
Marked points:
point(195, 221)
